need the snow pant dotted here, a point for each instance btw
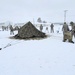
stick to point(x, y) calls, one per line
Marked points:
point(67, 36)
point(52, 30)
point(73, 33)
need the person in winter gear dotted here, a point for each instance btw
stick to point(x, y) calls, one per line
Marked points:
point(41, 27)
point(67, 34)
point(11, 30)
point(47, 30)
point(52, 28)
point(73, 29)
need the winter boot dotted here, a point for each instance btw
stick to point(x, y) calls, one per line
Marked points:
point(71, 41)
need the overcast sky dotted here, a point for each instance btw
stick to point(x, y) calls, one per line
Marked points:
point(26, 10)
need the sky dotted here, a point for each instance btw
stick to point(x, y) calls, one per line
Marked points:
point(29, 10)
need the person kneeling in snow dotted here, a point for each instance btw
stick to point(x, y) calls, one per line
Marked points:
point(67, 34)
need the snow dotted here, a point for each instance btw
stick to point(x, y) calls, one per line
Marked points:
point(48, 56)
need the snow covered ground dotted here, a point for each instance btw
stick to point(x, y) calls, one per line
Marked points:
point(48, 56)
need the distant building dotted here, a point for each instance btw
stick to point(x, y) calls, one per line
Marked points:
point(18, 24)
point(2, 24)
point(43, 24)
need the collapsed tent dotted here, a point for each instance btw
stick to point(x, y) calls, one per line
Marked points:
point(29, 31)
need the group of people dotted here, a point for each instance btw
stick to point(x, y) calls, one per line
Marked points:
point(51, 28)
point(68, 33)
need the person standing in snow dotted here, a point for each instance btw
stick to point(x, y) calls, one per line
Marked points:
point(52, 28)
point(41, 27)
point(47, 30)
point(11, 30)
point(73, 28)
point(67, 34)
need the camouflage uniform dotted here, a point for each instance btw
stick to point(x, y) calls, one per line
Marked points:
point(67, 35)
point(73, 30)
point(11, 30)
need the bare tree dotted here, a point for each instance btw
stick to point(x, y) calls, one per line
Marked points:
point(44, 22)
point(39, 20)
